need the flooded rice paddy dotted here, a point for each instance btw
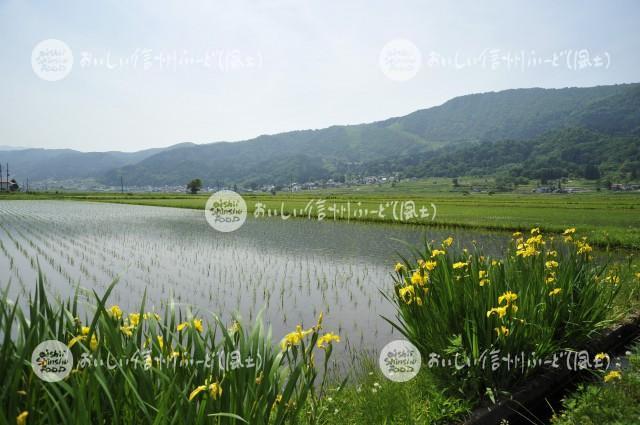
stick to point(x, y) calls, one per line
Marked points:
point(289, 269)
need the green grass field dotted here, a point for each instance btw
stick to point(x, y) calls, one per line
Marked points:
point(607, 218)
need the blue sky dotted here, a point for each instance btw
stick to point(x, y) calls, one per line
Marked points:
point(307, 64)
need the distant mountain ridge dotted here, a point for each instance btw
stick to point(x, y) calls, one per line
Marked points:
point(510, 114)
point(59, 164)
point(534, 120)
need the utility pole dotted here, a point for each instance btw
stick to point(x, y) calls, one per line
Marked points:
point(1, 178)
point(121, 184)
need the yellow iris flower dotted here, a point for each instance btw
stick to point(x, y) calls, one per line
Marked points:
point(614, 374)
point(197, 325)
point(294, 338)
point(327, 339)
point(75, 339)
point(115, 312)
point(21, 419)
point(196, 391)
point(94, 343)
point(583, 247)
point(502, 331)
point(508, 296)
point(417, 278)
point(134, 319)
point(500, 311)
point(407, 293)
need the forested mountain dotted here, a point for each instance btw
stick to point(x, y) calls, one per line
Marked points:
point(558, 153)
point(510, 126)
point(524, 113)
point(523, 132)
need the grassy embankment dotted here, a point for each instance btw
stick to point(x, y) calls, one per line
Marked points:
point(613, 400)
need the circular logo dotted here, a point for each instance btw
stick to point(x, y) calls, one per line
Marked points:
point(400, 60)
point(400, 360)
point(52, 361)
point(52, 59)
point(225, 211)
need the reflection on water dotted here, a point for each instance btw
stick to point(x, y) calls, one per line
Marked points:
point(291, 270)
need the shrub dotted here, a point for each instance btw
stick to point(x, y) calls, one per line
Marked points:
point(461, 306)
point(169, 381)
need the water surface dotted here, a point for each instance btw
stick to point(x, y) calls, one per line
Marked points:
point(290, 269)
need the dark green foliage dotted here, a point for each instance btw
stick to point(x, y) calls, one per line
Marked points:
point(194, 186)
point(591, 172)
point(556, 154)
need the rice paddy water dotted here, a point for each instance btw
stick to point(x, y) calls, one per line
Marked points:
point(290, 270)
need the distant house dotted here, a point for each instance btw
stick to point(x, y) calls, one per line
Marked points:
point(624, 187)
point(9, 186)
